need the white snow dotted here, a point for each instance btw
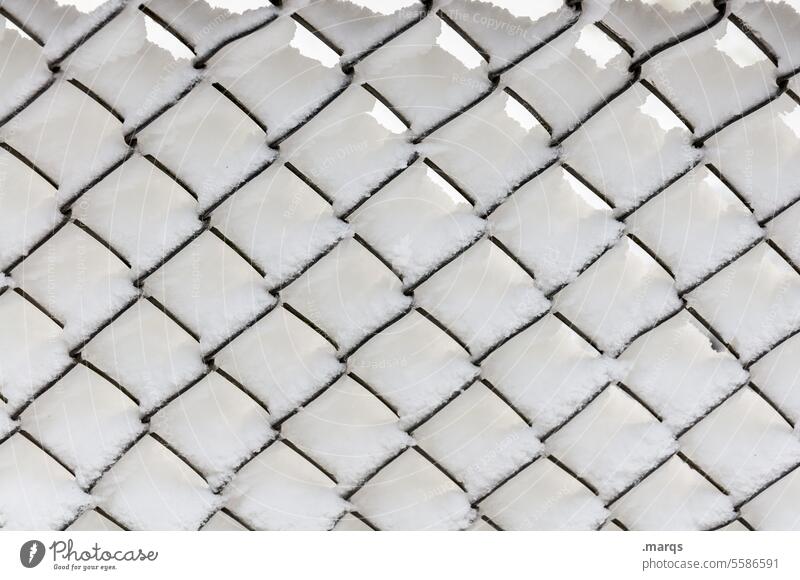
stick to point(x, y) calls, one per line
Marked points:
point(479, 439)
point(36, 493)
point(712, 77)
point(147, 353)
point(757, 155)
point(214, 425)
point(92, 521)
point(280, 360)
point(348, 294)
point(625, 152)
point(554, 225)
point(427, 81)
point(347, 430)
point(622, 293)
point(412, 494)
point(680, 370)
point(151, 489)
point(777, 22)
point(280, 222)
point(135, 75)
point(775, 507)
point(206, 24)
point(210, 288)
point(544, 497)
point(357, 25)
point(416, 222)
point(647, 24)
point(674, 497)
point(208, 142)
point(568, 77)
point(548, 371)
point(486, 150)
point(24, 68)
point(68, 135)
point(612, 442)
point(753, 303)
point(275, 80)
point(77, 280)
point(414, 365)
point(140, 211)
point(85, 421)
point(778, 377)
point(743, 444)
point(507, 29)
point(695, 225)
point(280, 490)
point(345, 150)
point(31, 349)
point(28, 208)
point(482, 296)
point(222, 522)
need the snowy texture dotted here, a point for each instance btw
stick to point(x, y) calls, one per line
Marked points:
point(744, 444)
point(753, 303)
point(680, 370)
point(479, 438)
point(629, 148)
point(695, 225)
point(215, 425)
point(490, 148)
point(417, 221)
point(146, 352)
point(280, 222)
point(483, 296)
point(348, 293)
point(280, 490)
point(547, 372)
point(85, 420)
point(150, 488)
point(555, 225)
point(412, 494)
point(280, 360)
point(414, 365)
point(399, 265)
point(675, 497)
point(347, 430)
point(570, 76)
point(36, 493)
point(210, 288)
point(618, 296)
point(612, 442)
point(545, 497)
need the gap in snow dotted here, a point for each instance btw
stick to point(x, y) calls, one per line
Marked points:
point(448, 189)
point(672, 5)
point(383, 115)
point(584, 192)
point(82, 5)
point(160, 36)
point(520, 114)
point(11, 26)
point(312, 47)
point(533, 9)
point(385, 7)
point(596, 45)
point(738, 47)
point(238, 6)
point(655, 108)
point(452, 42)
point(792, 120)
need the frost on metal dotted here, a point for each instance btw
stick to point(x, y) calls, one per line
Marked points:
point(399, 264)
